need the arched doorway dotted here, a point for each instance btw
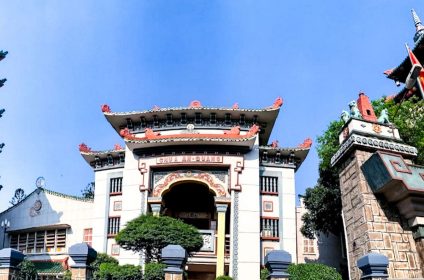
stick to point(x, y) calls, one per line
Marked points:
point(192, 202)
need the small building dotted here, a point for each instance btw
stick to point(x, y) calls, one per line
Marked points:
point(211, 167)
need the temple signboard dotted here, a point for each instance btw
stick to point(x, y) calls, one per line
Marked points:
point(189, 159)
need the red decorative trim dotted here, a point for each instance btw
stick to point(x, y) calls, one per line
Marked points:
point(179, 176)
point(195, 104)
point(151, 135)
point(235, 106)
point(388, 72)
point(117, 147)
point(277, 103)
point(233, 131)
point(269, 193)
point(307, 143)
point(270, 218)
point(398, 167)
point(84, 148)
point(142, 168)
point(270, 238)
point(264, 208)
point(106, 108)
point(239, 169)
point(115, 193)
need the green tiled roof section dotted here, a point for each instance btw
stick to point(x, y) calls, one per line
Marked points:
point(67, 195)
point(49, 267)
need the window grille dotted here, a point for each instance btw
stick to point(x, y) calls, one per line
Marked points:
point(39, 241)
point(88, 236)
point(113, 225)
point(270, 228)
point(116, 185)
point(308, 246)
point(269, 184)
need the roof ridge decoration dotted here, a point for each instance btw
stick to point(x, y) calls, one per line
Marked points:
point(278, 103)
point(307, 143)
point(84, 149)
point(233, 133)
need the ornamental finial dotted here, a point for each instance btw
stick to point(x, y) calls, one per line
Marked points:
point(84, 148)
point(307, 143)
point(117, 147)
point(106, 108)
point(418, 25)
point(195, 104)
point(277, 103)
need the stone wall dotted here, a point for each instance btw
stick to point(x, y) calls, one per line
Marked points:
point(372, 226)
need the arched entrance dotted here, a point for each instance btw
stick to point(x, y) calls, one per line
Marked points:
point(192, 202)
point(195, 203)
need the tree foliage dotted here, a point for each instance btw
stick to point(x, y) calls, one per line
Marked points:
point(88, 191)
point(313, 271)
point(149, 234)
point(26, 271)
point(18, 196)
point(323, 201)
point(100, 259)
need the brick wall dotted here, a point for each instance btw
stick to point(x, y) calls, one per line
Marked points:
point(373, 226)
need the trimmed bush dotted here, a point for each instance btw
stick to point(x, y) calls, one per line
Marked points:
point(224, 278)
point(108, 271)
point(313, 271)
point(264, 274)
point(100, 259)
point(154, 271)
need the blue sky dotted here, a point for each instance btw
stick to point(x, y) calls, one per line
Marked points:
point(66, 58)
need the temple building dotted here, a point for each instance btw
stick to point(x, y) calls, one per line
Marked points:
point(211, 167)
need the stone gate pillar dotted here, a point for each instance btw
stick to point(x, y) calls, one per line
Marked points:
point(369, 151)
point(9, 260)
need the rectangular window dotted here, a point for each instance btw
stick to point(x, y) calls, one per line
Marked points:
point(113, 225)
point(117, 206)
point(115, 186)
point(39, 241)
point(269, 185)
point(308, 246)
point(88, 236)
point(270, 228)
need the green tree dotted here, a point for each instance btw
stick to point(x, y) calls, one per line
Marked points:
point(149, 234)
point(2, 81)
point(26, 271)
point(18, 196)
point(88, 191)
point(323, 201)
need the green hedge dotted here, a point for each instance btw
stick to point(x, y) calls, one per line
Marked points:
point(154, 271)
point(313, 271)
point(224, 278)
point(109, 271)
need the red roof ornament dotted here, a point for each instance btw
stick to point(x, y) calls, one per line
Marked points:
point(106, 108)
point(235, 106)
point(195, 104)
point(233, 131)
point(277, 103)
point(365, 108)
point(253, 130)
point(117, 147)
point(388, 72)
point(307, 143)
point(126, 133)
point(274, 144)
point(84, 148)
point(156, 108)
point(150, 133)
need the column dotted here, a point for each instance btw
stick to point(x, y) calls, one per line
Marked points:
point(82, 255)
point(9, 260)
point(220, 247)
point(155, 208)
point(175, 258)
point(373, 266)
point(277, 263)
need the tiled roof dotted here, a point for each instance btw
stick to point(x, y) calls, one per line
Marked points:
point(48, 267)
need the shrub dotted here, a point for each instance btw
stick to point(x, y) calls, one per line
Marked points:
point(101, 258)
point(264, 274)
point(154, 271)
point(222, 277)
point(26, 270)
point(108, 271)
point(67, 275)
point(313, 271)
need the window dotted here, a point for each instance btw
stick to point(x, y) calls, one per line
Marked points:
point(308, 246)
point(268, 206)
point(113, 225)
point(88, 236)
point(39, 241)
point(270, 228)
point(115, 186)
point(117, 206)
point(269, 185)
point(115, 250)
